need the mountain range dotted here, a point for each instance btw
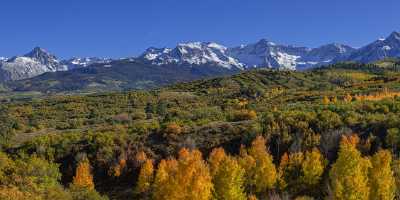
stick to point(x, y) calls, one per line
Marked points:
point(186, 61)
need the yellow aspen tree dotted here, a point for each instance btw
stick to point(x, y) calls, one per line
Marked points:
point(83, 176)
point(259, 167)
point(281, 182)
point(349, 174)
point(290, 172)
point(229, 180)
point(248, 163)
point(312, 168)
point(325, 100)
point(185, 178)
point(396, 172)
point(381, 177)
point(145, 178)
point(217, 155)
point(334, 99)
point(162, 185)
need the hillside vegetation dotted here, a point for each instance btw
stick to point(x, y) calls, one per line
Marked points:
point(331, 132)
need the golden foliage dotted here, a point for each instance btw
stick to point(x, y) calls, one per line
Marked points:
point(348, 98)
point(145, 178)
point(349, 175)
point(312, 167)
point(215, 158)
point(382, 181)
point(325, 100)
point(377, 96)
point(83, 176)
point(242, 115)
point(229, 180)
point(396, 173)
point(140, 158)
point(118, 168)
point(184, 178)
point(13, 193)
point(261, 174)
point(252, 197)
point(173, 129)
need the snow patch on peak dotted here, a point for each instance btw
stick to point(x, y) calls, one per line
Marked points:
point(386, 48)
point(217, 46)
point(285, 60)
point(192, 45)
point(193, 53)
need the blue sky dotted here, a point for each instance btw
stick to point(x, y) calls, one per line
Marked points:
point(120, 28)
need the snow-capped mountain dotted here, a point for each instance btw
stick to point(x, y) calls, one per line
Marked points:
point(34, 63)
point(84, 62)
point(195, 53)
point(261, 54)
point(210, 57)
point(39, 61)
point(378, 50)
point(323, 55)
point(268, 54)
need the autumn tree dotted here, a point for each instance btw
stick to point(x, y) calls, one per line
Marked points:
point(381, 177)
point(261, 174)
point(326, 100)
point(83, 176)
point(145, 178)
point(334, 99)
point(396, 172)
point(228, 180)
point(140, 158)
point(173, 129)
point(300, 173)
point(289, 171)
point(185, 178)
point(252, 197)
point(244, 114)
point(215, 158)
point(349, 175)
point(312, 168)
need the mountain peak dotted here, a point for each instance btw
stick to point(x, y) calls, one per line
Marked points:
point(395, 35)
point(39, 53)
point(266, 42)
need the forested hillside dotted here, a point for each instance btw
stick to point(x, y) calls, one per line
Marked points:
point(332, 132)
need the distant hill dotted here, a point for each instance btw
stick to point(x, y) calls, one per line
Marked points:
point(124, 74)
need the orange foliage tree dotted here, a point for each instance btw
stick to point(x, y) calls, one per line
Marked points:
point(83, 176)
point(185, 178)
